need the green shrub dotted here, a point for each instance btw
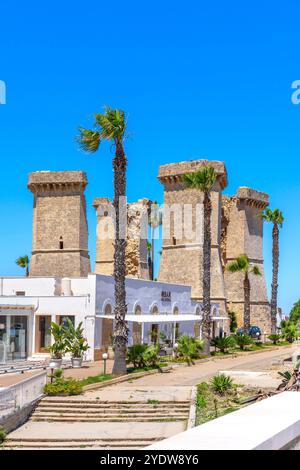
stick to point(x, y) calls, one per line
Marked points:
point(135, 355)
point(223, 344)
point(201, 401)
point(289, 330)
point(274, 338)
point(150, 355)
point(189, 348)
point(63, 386)
point(233, 321)
point(2, 435)
point(243, 340)
point(221, 383)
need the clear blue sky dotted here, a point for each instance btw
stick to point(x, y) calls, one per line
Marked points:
point(198, 80)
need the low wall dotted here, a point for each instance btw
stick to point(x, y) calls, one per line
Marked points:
point(271, 424)
point(18, 401)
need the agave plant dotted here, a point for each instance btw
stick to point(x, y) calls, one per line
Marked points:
point(221, 383)
point(275, 338)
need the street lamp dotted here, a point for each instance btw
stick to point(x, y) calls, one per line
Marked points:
point(52, 367)
point(104, 357)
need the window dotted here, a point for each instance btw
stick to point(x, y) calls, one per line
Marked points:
point(63, 319)
point(61, 243)
point(138, 310)
point(107, 309)
point(174, 241)
point(154, 310)
point(176, 311)
point(20, 293)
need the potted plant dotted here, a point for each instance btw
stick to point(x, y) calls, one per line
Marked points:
point(58, 348)
point(76, 343)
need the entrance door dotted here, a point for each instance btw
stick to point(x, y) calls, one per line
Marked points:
point(43, 335)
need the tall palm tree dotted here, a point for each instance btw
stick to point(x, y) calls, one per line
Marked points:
point(203, 180)
point(155, 221)
point(241, 264)
point(24, 262)
point(276, 218)
point(111, 126)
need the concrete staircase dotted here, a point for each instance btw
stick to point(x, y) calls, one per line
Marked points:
point(143, 422)
point(72, 443)
point(72, 410)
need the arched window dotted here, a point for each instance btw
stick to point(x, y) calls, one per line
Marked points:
point(175, 311)
point(137, 310)
point(174, 241)
point(154, 310)
point(107, 309)
point(198, 311)
point(61, 243)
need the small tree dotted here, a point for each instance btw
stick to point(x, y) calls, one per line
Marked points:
point(276, 218)
point(24, 262)
point(295, 312)
point(241, 264)
point(233, 322)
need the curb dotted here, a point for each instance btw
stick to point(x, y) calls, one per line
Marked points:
point(122, 378)
point(192, 415)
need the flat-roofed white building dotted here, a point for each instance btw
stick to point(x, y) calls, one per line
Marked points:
point(28, 305)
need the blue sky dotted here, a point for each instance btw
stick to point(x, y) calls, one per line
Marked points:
point(198, 80)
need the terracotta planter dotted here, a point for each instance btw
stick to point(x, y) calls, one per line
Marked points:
point(76, 362)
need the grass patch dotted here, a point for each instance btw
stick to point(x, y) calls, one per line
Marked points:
point(94, 379)
point(153, 402)
point(133, 370)
point(211, 404)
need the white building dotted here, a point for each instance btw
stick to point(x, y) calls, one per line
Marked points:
point(29, 305)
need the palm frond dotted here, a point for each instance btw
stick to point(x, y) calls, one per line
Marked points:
point(274, 216)
point(112, 123)
point(256, 271)
point(241, 263)
point(88, 140)
point(203, 179)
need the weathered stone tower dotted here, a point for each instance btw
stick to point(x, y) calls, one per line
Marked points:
point(182, 253)
point(136, 249)
point(60, 231)
point(242, 233)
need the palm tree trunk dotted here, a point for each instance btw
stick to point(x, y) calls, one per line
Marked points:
point(246, 304)
point(120, 324)
point(152, 254)
point(27, 270)
point(275, 264)
point(206, 272)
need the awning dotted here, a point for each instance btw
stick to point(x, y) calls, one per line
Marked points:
point(156, 318)
point(163, 318)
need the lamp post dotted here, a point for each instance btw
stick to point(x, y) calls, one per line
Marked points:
point(52, 367)
point(175, 348)
point(104, 357)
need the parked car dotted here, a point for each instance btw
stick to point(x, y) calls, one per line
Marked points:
point(254, 332)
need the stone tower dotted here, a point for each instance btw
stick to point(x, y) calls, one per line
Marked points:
point(136, 249)
point(182, 253)
point(242, 233)
point(60, 231)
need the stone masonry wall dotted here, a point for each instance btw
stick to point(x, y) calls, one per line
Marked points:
point(60, 231)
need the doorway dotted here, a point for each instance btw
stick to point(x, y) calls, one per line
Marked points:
point(43, 334)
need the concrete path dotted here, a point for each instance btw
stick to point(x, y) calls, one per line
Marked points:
point(192, 375)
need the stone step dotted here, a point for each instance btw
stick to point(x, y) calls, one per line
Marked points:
point(149, 406)
point(78, 443)
point(109, 410)
point(107, 416)
point(112, 419)
point(67, 400)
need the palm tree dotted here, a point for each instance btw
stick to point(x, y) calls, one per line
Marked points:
point(24, 262)
point(276, 218)
point(242, 264)
point(203, 180)
point(111, 126)
point(155, 221)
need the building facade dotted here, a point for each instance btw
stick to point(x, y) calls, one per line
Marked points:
point(29, 305)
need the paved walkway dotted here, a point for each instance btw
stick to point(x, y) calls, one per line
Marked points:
point(184, 375)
